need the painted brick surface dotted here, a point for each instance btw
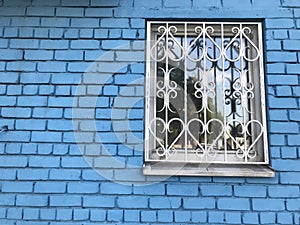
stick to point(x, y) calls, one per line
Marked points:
point(60, 103)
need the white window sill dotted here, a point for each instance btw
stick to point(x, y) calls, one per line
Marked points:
point(175, 169)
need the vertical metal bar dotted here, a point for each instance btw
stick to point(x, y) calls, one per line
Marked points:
point(243, 91)
point(166, 80)
point(223, 91)
point(185, 92)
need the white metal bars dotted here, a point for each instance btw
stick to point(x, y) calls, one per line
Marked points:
point(205, 93)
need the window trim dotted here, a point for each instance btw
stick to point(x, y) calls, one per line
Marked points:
point(257, 169)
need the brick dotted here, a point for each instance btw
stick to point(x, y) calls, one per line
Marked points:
point(293, 68)
point(182, 216)
point(99, 201)
point(114, 23)
point(283, 91)
point(279, 23)
point(276, 56)
point(291, 45)
point(92, 175)
point(289, 152)
point(50, 187)
point(250, 191)
point(32, 101)
point(291, 3)
point(31, 200)
point(69, 12)
point(64, 214)
point(267, 217)
point(13, 161)
point(78, 67)
point(177, 3)
point(182, 190)
point(69, 55)
point(38, 55)
point(74, 162)
point(286, 164)
point(102, 33)
point(233, 217)
point(9, 77)
point(30, 124)
point(64, 174)
point(133, 202)
point(115, 215)
point(41, 32)
point(51, 67)
point(81, 214)
point(8, 174)
point(30, 89)
point(85, 44)
point(250, 218)
point(293, 140)
point(285, 218)
point(21, 66)
point(16, 136)
point(98, 12)
point(130, 56)
point(32, 174)
point(54, 22)
point(215, 217)
point(98, 215)
point(83, 187)
point(105, 3)
point(233, 204)
point(13, 148)
point(116, 44)
point(66, 79)
point(115, 33)
point(47, 214)
point(14, 90)
point(25, 32)
point(24, 43)
point(49, 137)
point(7, 199)
point(85, 22)
point(268, 204)
point(16, 112)
point(148, 216)
point(91, 55)
point(66, 200)
point(164, 202)
point(40, 11)
point(284, 127)
point(61, 101)
point(10, 54)
point(132, 215)
point(31, 214)
point(290, 177)
point(203, 203)
point(148, 5)
point(47, 113)
point(281, 103)
point(63, 90)
point(56, 33)
point(293, 204)
point(216, 190)
point(114, 188)
point(60, 125)
point(34, 78)
point(14, 213)
point(54, 44)
point(78, 137)
point(41, 161)
point(283, 191)
point(18, 187)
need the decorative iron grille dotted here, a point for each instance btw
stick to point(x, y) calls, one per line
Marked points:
point(205, 95)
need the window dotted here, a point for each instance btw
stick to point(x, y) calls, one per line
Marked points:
point(205, 100)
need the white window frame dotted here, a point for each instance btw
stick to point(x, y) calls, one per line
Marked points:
point(165, 157)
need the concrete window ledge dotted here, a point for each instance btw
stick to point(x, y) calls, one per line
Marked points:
point(176, 169)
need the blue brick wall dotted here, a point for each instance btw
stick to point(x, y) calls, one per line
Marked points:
point(60, 103)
